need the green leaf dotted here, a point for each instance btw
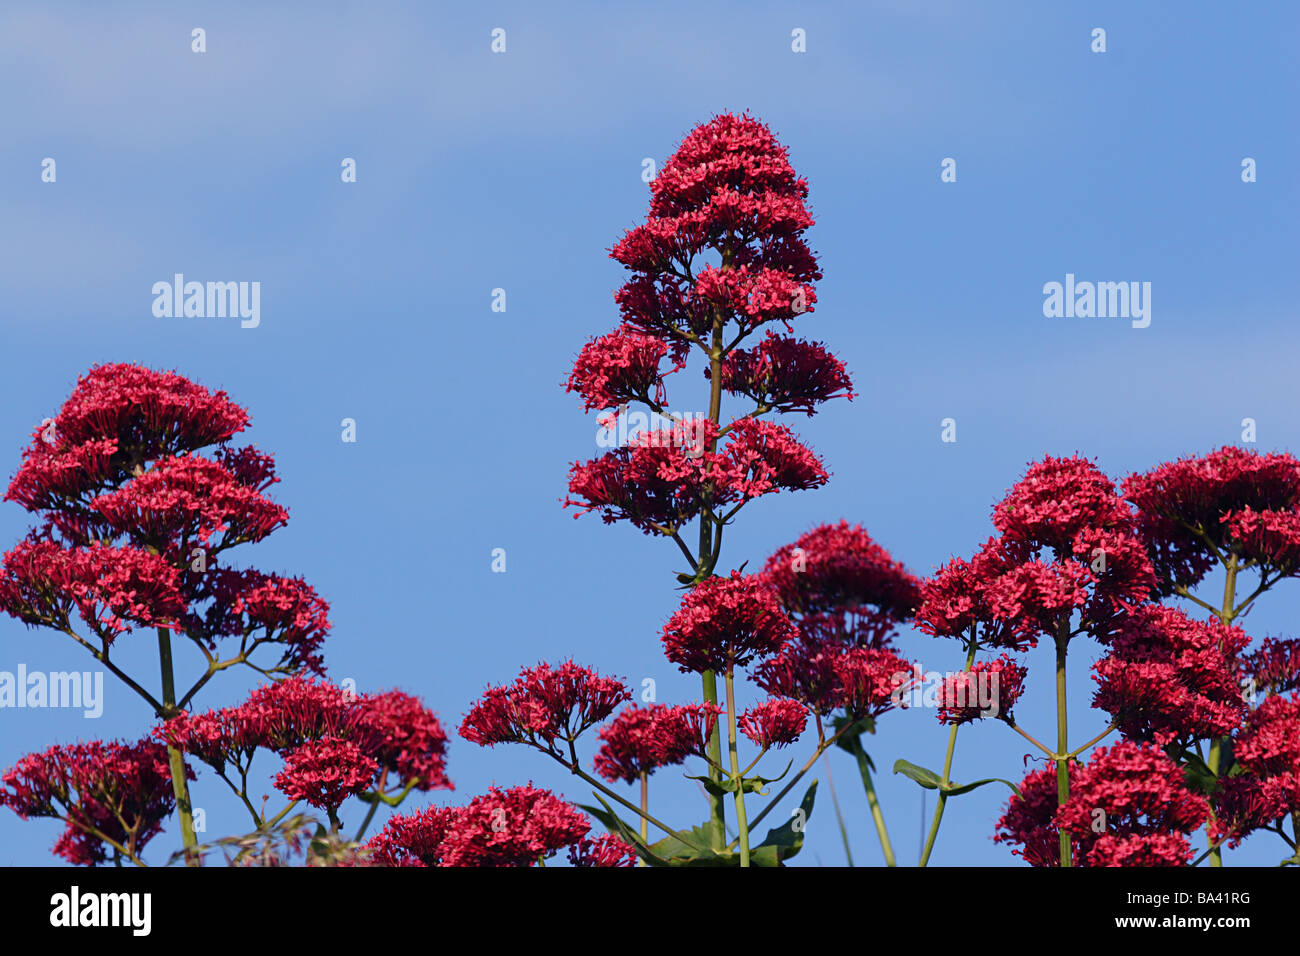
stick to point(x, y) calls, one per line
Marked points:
point(849, 741)
point(1198, 775)
point(926, 778)
point(756, 784)
point(716, 787)
point(786, 840)
point(616, 825)
point(953, 791)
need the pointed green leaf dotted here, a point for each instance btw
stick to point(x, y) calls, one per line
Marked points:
point(952, 790)
point(926, 778)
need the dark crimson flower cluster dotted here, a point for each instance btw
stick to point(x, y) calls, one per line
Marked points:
point(988, 689)
point(106, 792)
point(725, 623)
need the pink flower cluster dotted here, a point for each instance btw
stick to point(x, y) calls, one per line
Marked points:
point(543, 705)
point(962, 696)
point(335, 744)
point(514, 827)
point(725, 623)
point(643, 739)
point(774, 723)
point(1128, 806)
point(106, 792)
point(827, 675)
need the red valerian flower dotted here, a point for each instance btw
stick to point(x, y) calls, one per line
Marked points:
point(1182, 506)
point(607, 850)
point(119, 416)
point(1133, 790)
point(1145, 808)
point(988, 689)
point(643, 739)
point(657, 482)
point(765, 458)
point(955, 600)
point(1170, 678)
point(1056, 500)
point(111, 588)
point(406, 739)
point(1275, 666)
point(786, 374)
point(514, 827)
point(103, 791)
point(326, 772)
point(1033, 598)
point(622, 367)
point(774, 723)
point(826, 675)
point(1029, 822)
point(544, 704)
point(724, 623)
point(1268, 750)
point(393, 730)
point(261, 609)
point(186, 499)
point(841, 582)
point(729, 188)
point(1270, 538)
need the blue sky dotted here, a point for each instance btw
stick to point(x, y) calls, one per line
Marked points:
point(518, 171)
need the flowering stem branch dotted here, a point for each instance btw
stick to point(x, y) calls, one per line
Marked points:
point(741, 823)
point(175, 760)
point(1074, 753)
point(947, 763)
point(1033, 740)
point(821, 749)
point(1062, 741)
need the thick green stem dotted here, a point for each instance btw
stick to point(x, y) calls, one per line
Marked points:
point(175, 759)
point(877, 817)
point(1216, 746)
point(739, 793)
point(1062, 742)
point(645, 808)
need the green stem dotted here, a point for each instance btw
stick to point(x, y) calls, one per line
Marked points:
point(175, 759)
point(1216, 746)
point(839, 816)
point(1062, 742)
point(739, 793)
point(645, 808)
point(971, 648)
point(877, 817)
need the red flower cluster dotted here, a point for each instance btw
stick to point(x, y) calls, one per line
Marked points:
point(328, 737)
point(1192, 507)
point(1275, 666)
point(661, 480)
point(111, 588)
point(1067, 546)
point(621, 367)
point(724, 623)
point(515, 827)
point(728, 186)
point(963, 695)
point(786, 374)
point(774, 723)
point(186, 499)
point(841, 583)
point(643, 739)
point(102, 790)
point(827, 675)
point(607, 850)
point(1169, 678)
point(261, 609)
point(544, 704)
point(1133, 791)
point(1268, 749)
point(118, 418)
